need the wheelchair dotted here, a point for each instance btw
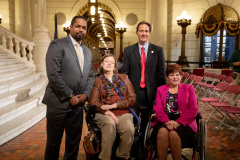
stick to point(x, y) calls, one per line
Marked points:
point(150, 145)
point(89, 116)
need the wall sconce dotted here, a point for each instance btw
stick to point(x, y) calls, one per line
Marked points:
point(184, 20)
point(0, 18)
point(121, 28)
point(66, 27)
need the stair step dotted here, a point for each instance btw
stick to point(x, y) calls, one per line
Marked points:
point(22, 92)
point(7, 61)
point(15, 74)
point(11, 67)
point(13, 110)
point(21, 123)
point(3, 56)
point(10, 85)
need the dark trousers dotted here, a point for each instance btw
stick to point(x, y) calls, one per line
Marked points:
point(59, 120)
point(143, 108)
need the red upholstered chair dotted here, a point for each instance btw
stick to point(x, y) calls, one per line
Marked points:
point(225, 102)
point(227, 72)
point(198, 71)
point(235, 111)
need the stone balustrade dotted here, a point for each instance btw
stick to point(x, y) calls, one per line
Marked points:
point(22, 48)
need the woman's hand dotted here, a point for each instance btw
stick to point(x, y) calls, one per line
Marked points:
point(171, 125)
point(115, 119)
point(108, 107)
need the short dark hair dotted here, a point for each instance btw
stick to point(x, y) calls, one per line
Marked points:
point(173, 68)
point(76, 17)
point(144, 22)
point(100, 69)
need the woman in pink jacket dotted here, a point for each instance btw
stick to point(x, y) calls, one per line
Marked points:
point(176, 109)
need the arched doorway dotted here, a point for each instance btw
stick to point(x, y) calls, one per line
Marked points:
point(101, 35)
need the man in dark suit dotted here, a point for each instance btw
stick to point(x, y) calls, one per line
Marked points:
point(70, 74)
point(144, 63)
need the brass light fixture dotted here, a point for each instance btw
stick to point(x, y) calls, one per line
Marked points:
point(66, 27)
point(184, 20)
point(121, 28)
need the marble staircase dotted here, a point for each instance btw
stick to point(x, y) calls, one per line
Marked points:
point(21, 93)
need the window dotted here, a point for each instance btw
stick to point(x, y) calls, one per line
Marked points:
point(211, 46)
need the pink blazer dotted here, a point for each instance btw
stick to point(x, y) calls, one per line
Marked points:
point(187, 105)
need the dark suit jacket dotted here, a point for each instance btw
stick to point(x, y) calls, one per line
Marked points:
point(154, 70)
point(64, 73)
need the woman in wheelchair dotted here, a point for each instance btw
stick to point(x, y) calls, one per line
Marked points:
point(176, 109)
point(113, 95)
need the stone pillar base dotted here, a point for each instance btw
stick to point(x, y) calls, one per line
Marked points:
point(42, 41)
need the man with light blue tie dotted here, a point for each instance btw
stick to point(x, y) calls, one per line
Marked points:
point(144, 64)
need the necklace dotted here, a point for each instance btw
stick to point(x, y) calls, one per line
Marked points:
point(117, 84)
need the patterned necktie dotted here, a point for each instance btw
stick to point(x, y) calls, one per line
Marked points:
point(79, 56)
point(143, 63)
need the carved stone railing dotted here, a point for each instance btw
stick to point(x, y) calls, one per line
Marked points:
point(16, 46)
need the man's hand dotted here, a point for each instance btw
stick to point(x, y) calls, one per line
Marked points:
point(74, 100)
point(82, 98)
point(236, 63)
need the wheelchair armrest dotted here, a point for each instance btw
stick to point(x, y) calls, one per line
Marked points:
point(90, 113)
point(199, 116)
point(136, 118)
point(153, 116)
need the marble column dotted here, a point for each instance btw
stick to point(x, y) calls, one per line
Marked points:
point(41, 37)
point(23, 24)
point(156, 15)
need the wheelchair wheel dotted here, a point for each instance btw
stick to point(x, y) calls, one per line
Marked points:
point(151, 152)
point(202, 141)
point(147, 135)
point(149, 147)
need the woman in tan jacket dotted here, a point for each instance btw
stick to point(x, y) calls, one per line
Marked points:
point(113, 95)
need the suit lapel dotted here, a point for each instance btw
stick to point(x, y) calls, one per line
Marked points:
point(164, 95)
point(85, 59)
point(137, 54)
point(180, 94)
point(150, 55)
point(70, 44)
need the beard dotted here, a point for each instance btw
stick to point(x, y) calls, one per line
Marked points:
point(79, 36)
